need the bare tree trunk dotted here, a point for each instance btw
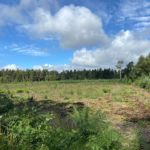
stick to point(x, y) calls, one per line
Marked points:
point(120, 74)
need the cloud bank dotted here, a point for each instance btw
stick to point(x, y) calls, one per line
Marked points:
point(125, 46)
point(10, 67)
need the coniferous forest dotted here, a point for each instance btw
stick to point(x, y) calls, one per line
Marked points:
point(130, 72)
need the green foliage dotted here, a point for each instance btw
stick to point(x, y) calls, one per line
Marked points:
point(45, 75)
point(5, 103)
point(143, 82)
point(128, 71)
point(106, 90)
point(143, 66)
point(140, 69)
point(138, 73)
point(45, 97)
point(24, 131)
point(94, 133)
point(20, 91)
point(27, 129)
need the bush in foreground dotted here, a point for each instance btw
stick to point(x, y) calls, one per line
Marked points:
point(5, 103)
point(29, 130)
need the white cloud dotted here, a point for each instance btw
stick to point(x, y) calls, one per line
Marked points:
point(10, 15)
point(143, 24)
point(78, 28)
point(51, 67)
point(38, 67)
point(73, 26)
point(27, 50)
point(125, 46)
point(61, 67)
point(20, 13)
point(10, 67)
point(42, 67)
point(85, 58)
point(136, 11)
point(46, 4)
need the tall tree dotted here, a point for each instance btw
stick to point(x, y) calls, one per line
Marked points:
point(119, 67)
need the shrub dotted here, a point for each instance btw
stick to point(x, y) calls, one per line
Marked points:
point(5, 103)
point(94, 132)
point(20, 91)
point(45, 97)
point(29, 130)
point(106, 90)
point(143, 82)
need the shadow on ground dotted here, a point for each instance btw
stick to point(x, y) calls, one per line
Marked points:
point(49, 106)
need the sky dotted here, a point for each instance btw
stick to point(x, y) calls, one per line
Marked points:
point(72, 34)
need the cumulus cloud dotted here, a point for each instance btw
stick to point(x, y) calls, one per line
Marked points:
point(9, 14)
point(125, 46)
point(19, 13)
point(85, 58)
point(10, 67)
point(73, 26)
point(79, 28)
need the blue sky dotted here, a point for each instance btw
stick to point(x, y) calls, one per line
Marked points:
point(61, 34)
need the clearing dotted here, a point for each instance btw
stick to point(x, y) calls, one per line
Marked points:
point(127, 107)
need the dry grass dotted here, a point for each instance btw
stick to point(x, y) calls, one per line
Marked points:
point(126, 106)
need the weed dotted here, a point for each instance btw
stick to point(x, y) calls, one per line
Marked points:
point(20, 91)
point(45, 97)
point(106, 90)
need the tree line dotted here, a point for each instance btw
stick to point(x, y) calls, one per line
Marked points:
point(45, 75)
point(131, 71)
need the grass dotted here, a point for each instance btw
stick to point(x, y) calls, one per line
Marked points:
point(59, 90)
point(127, 107)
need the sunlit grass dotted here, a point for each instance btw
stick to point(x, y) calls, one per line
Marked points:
point(121, 102)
